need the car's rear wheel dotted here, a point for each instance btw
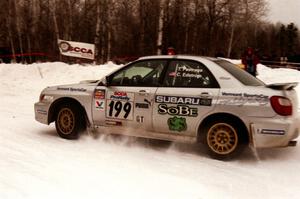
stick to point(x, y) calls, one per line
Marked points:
point(223, 139)
point(69, 121)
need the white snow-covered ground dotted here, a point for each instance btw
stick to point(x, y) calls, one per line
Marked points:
point(36, 163)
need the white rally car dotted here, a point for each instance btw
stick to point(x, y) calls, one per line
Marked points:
point(178, 98)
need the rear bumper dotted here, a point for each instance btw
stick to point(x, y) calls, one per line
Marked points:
point(41, 112)
point(267, 133)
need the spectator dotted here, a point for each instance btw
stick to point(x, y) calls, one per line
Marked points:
point(250, 61)
point(171, 51)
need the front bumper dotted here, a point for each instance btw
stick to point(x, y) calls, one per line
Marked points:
point(41, 112)
point(281, 132)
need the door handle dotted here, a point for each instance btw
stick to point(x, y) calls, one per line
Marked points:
point(144, 92)
point(205, 94)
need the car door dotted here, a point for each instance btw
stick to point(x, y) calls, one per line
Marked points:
point(188, 93)
point(127, 101)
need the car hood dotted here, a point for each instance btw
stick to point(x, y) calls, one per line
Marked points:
point(82, 86)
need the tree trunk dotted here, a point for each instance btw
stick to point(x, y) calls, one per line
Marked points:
point(69, 26)
point(160, 27)
point(56, 30)
point(97, 34)
point(17, 19)
point(142, 6)
point(230, 41)
point(109, 44)
point(109, 28)
point(29, 46)
point(186, 30)
point(11, 39)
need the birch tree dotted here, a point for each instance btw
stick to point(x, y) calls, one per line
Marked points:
point(160, 26)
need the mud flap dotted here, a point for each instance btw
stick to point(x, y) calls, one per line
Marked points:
point(264, 137)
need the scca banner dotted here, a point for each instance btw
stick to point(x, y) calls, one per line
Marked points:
point(76, 49)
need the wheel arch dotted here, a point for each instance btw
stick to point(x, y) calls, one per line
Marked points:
point(227, 116)
point(53, 110)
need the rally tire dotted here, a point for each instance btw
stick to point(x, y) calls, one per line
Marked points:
point(69, 121)
point(223, 139)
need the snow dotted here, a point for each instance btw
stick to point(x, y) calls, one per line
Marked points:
point(36, 163)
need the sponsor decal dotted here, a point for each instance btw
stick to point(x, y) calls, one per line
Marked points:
point(258, 96)
point(99, 94)
point(177, 124)
point(120, 95)
point(76, 49)
point(64, 46)
point(205, 101)
point(43, 112)
point(99, 104)
point(272, 132)
point(232, 94)
point(71, 89)
point(142, 105)
point(183, 100)
point(179, 110)
point(113, 123)
point(240, 99)
point(147, 101)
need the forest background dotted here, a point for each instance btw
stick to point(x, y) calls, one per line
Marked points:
point(124, 29)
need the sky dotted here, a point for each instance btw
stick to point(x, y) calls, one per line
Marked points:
point(284, 11)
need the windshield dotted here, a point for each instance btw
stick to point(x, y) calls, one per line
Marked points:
point(241, 75)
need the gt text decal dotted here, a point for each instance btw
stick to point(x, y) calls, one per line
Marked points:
point(120, 105)
point(180, 110)
point(183, 100)
point(177, 124)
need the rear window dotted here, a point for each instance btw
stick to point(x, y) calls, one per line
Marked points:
point(241, 75)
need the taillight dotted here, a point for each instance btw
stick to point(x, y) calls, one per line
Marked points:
point(281, 105)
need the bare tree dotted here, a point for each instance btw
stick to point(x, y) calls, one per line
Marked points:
point(160, 26)
point(128, 29)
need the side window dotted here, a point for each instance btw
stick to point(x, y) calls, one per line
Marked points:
point(143, 73)
point(189, 74)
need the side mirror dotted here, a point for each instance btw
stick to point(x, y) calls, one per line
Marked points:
point(104, 82)
point(107, 81)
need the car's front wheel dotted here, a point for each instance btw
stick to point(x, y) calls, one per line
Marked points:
point(69, 121)
point(223, 139)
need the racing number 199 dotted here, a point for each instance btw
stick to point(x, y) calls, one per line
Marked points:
point(118, 107)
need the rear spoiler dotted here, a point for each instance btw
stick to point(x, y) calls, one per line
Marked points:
point(283, 86)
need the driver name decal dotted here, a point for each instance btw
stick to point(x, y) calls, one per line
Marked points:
point(183, 71)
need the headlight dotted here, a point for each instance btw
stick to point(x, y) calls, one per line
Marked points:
point(44, 97)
